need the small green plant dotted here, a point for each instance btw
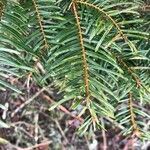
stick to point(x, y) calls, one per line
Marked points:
point(96, 52)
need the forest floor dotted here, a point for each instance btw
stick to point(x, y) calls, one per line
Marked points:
point(33, 126)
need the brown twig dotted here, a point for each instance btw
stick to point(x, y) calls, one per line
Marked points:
point(21, 122)
point(62, 108)
point(46, 98)
point(130, 144)
point(104, 136)
point(145, 8)
point(27, 102)
point(38, 145)
point(36, 119)
point(44, 144)
point(61, 131)
point(87, 141)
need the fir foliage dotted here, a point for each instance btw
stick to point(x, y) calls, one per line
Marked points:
point(96, 52)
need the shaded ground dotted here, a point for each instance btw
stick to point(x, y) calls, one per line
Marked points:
point(33, 126)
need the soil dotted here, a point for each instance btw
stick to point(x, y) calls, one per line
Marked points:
point(35, 127)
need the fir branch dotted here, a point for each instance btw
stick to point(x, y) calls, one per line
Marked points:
point(137, 80)
point(133, 121)
point(40, 23)
point(85, 65)
point(134, 76)
point(130, 44)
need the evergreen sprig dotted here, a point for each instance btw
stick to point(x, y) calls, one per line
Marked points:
point(96, 52)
